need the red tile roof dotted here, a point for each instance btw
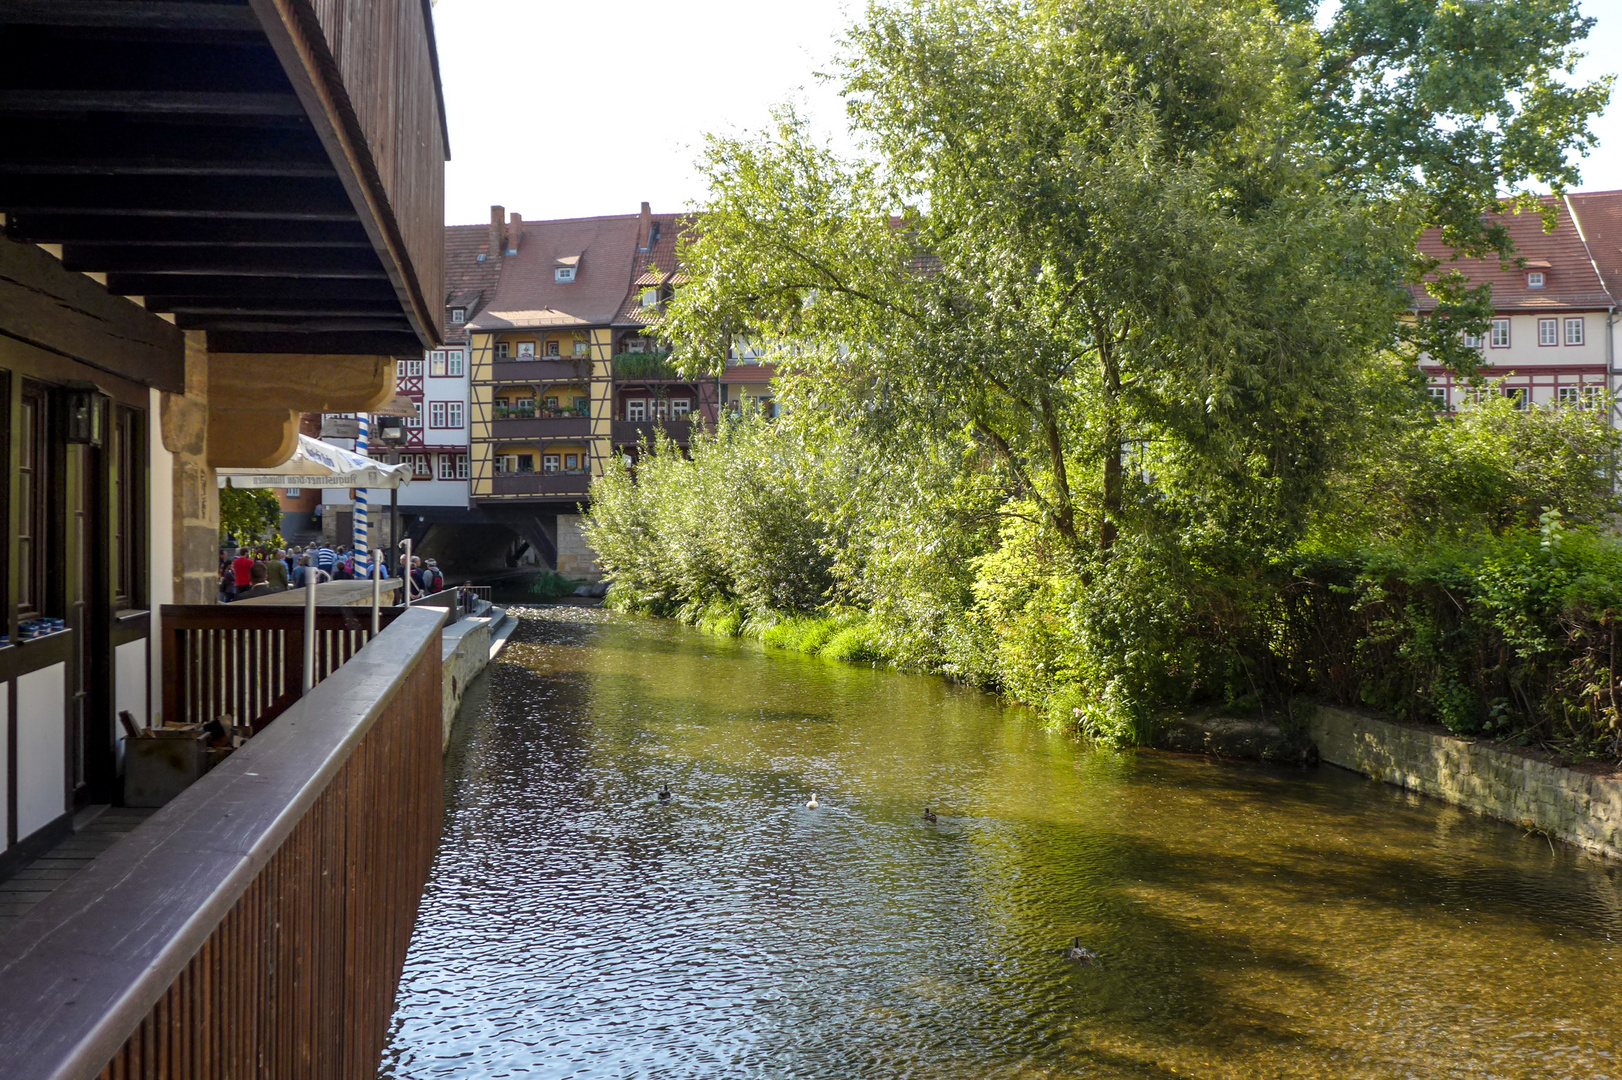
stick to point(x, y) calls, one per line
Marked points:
point(1599, 216)
point(529, 294)
point(469, 283)
point(655, 265)
point(1570, 278)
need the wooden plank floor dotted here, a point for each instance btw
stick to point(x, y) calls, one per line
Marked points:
point(96, 828)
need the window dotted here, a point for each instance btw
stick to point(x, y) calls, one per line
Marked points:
point(679, 407)
point(414, 368)
point(399, 369)
point(636, 345)
point(552, 404)
point(571, 462)
point(1519, 396)
point(461, 466)
point(549, 463)
point(447, 466)
point(292, 493)
point(1574, 331)
point(436, 414)
point(128, 452)
point(650, 298)
point(1534, 280)
point(1472, 341)
point(453, 363)
point(1438, 396)
point(506, 464)
point(414, 421)
point(436, 363)
point(636, 409)
point(552, 348)
point(1548, 331)
point(453, 414)
point(458, 316)
point(1500, 333)
point(582, 406)
point(34, 491)
point(526, 463)
point(526, 348)
point(420, 465)
point(503, 350)
point(582, 348)
point(563, 274)
point(1580, 397)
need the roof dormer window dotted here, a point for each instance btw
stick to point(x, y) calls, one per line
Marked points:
point(458, 316)
point(1534, 279)
point(563, 270)
point(564, 273)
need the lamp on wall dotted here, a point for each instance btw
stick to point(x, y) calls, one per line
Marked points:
point(86, 406)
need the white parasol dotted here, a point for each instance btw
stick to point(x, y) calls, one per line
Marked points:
point(322, 465)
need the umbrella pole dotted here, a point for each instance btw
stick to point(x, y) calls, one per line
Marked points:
point(377, 590)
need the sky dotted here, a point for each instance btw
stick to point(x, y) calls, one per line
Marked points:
point(570, 109)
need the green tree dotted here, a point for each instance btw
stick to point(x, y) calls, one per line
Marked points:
point(249, 515)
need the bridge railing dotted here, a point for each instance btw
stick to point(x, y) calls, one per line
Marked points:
point(257, 924)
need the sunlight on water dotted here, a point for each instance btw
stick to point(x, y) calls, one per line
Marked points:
point(1251, 922)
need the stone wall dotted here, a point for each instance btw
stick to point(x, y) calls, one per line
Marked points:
point(575, 557)
point(1573, 806)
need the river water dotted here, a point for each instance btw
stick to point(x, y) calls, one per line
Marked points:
point(1251, 922)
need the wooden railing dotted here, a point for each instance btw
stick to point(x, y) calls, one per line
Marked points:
point(257, 925)
point(248, 660)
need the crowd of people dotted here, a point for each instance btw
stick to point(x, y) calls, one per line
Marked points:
point(261, 571)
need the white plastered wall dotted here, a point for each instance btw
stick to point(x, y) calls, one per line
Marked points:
point(41, 748)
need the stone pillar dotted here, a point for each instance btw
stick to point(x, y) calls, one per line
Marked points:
point(196, 494)
point(576, 559)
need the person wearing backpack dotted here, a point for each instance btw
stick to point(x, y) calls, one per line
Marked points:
point(433, 580)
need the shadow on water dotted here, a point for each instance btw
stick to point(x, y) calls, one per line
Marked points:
point(1251, 922)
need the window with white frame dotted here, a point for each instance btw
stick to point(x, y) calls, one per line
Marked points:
point(461, 466)
point(1519, 396)
point(563, 275)
point(453, 363)
point(399, 369)
point(436, 363)
point(1574, 331)
point(571, 462)
point(292, 493)
point(552, 348)
point(419, 466)
point(436, 414)
point(458, 316)
point(582, 348)
point(1534, 280)
point(506, 464)
point(1548, 331)
point(636, 409)
point(453, 414)
point(549, 463)
point(447, 466)
point(680, 407)
point(1500, 334)
point(1472, 341)
point(504, 350)
point(526, 348)
point(414, 368)
point(1438, 396)
point(414, 421)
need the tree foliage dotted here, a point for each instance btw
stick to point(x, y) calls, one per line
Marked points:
point(249, 515)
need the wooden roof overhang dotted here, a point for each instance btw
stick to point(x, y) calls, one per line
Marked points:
point(269, 171)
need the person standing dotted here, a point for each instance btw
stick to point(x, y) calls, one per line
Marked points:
point(241, 567)
point(325, 558)
point(276, 572)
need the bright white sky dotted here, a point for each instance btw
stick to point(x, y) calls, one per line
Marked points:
point(570, 109)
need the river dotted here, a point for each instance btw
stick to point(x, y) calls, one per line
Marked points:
point(1250, 922)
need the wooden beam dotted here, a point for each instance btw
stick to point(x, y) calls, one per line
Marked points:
point(235, 261)
point(185, 306)
point(221, 290)
point(403, 343)
point(47, 228)
point(251, 438)
point(177, 196)
point(130, 145)
point(303, 383)
point(122, 14)
point(48, 306)
point(149, 102)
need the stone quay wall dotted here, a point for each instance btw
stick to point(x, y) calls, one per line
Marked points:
point(1564, 803)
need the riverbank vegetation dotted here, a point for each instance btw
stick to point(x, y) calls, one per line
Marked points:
point(1100, 383)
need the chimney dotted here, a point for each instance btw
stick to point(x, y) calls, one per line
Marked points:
point(644, 242)
point(515, 232)
point(498, 217)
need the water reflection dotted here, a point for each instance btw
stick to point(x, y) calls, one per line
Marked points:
point(1251, 922)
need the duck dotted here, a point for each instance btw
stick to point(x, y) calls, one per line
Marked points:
point(1080, 953)
point(664, 793)
point(813, 804)
point(929, 816)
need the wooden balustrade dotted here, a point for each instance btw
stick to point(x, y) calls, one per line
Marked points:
point(248, 660)
point(257, 925)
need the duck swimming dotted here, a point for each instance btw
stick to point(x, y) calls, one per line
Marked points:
point(813, 804)
point(664, 793)
point(929, 815)
point(1080, 953)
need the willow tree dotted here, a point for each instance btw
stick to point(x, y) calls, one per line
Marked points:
point(1137, 248)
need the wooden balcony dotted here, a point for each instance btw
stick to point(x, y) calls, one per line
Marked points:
point(514, 428)
point(540, 370)
point(541, 485)
point(631, 432)
point(271, 171)
point(258, 923)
